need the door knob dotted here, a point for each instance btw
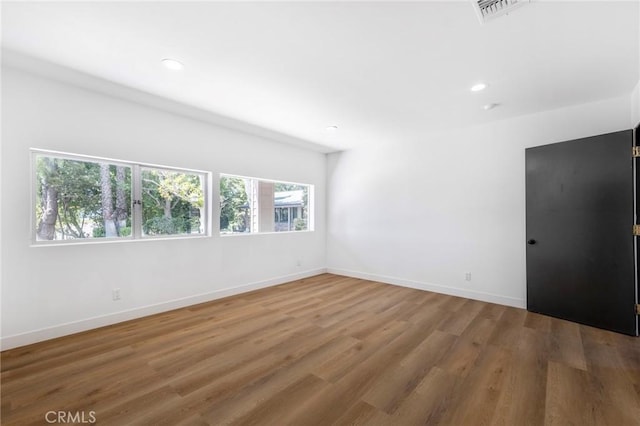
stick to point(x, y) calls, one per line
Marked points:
point(531, 242)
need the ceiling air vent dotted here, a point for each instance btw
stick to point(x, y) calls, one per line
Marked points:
point(489, 9)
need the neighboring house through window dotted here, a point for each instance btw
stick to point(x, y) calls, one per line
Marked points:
point(250, 205)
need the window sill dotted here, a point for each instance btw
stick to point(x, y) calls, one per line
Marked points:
point(80, 242)
point(246, 234)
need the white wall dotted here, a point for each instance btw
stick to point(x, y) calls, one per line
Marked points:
point(635, 105)
point(425, 211)
point(51, 291)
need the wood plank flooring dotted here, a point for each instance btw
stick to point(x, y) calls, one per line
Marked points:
point(331, 350)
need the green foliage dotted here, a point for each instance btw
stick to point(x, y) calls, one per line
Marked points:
point(77, 184)
point(234, 207)
point(299, 224)
point(169, 185)
point(161, 225)
point(281, 187)
point(305, 208)
point(99, 232)
point(171, 202)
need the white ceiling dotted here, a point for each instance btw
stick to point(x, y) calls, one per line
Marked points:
point(381, 71)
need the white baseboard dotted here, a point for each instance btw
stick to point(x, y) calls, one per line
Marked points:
point(436, 288)
point(22, 339)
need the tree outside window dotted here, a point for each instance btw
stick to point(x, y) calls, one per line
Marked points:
point(80, 198)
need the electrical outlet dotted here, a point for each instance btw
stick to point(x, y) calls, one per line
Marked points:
point(467, 276)
point(115, 294)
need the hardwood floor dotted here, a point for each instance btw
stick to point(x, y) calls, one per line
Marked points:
point(331, 350)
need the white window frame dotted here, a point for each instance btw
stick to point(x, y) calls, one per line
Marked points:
point(136, 194)
point(310, 207)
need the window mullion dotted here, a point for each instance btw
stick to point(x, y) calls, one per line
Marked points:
point(137, 202)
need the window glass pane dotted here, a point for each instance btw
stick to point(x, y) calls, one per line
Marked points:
point(292, 202)
point(235, 204)
point(172, 202)
point(81, 199)
point(256, 205)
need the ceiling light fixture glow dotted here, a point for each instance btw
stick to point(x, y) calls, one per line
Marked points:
point(479, 87)
point(172, 64)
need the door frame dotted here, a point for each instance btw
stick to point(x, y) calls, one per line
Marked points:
point(636, 208)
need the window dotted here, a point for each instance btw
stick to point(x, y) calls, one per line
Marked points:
point(172, 202)
point(249, 205)
point(86, 198)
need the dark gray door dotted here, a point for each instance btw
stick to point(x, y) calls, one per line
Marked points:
point(580, 248)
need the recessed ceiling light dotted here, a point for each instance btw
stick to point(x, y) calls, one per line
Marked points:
point(487, 107)
point(331, 128)
point(172, 64)
point(479, 87)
